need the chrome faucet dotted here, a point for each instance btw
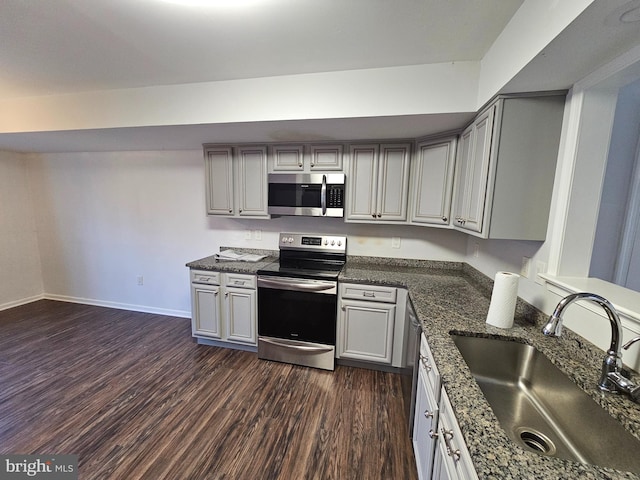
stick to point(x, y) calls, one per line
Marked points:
point(612, 377)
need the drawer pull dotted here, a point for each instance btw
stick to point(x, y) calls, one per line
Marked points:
point(428, 414)
point(447, 435)
point(203, 279)
point(369, 294)
point(238, 282)
point(433, 434)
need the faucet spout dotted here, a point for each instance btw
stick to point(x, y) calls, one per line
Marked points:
point(612, 362)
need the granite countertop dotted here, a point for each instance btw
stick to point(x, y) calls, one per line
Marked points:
point(454, 297)
point(213, 264)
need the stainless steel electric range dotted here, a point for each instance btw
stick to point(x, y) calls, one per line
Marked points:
point(298, 300)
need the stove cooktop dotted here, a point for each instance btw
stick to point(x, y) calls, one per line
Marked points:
point(327, 272)
point(309, 256)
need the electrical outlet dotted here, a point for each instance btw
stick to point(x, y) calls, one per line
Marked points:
point(247, 234)
point(395, 242)
point(257, 234)
point(140, 280)
point(526, 267)
point(476, 249)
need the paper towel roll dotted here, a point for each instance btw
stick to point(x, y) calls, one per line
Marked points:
point(503, 300)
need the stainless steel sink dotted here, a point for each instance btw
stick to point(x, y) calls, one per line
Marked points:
point(542, 410)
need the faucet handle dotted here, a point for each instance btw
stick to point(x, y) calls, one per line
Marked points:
point(631, 342)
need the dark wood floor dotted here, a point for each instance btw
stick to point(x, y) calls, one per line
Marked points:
point(134, 397)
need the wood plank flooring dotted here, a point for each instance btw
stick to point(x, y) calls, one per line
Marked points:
point(135, 398)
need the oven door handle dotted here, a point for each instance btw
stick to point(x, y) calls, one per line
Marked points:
point(297, 345)
point(295, 286)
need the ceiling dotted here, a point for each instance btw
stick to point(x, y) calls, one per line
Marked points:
point(62, 47)
point(68, 46)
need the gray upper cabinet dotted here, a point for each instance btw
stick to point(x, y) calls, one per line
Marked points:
point(306, 157)
point(505, 168)
point(236, 180)
point(378, 182)
point(431, 188)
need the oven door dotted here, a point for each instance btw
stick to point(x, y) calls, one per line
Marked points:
point(297, 320)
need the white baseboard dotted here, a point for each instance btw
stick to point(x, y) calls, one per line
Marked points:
point(119, 306)
point(24, 301)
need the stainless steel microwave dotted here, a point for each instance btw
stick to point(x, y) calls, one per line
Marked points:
point(306, 194)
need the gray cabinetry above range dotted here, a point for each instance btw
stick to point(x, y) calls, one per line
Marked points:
point(307, 157)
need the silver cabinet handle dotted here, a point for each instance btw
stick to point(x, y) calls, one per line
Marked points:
point(445, 219)
point(447, 435)
point(238, 282)
point(433, 434)
point(425, 363)
point(369, 294)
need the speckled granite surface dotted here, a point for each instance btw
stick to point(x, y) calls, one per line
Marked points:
point(211, 263)
point(453, 297)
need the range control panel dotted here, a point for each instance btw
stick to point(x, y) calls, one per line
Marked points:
point(304, 241)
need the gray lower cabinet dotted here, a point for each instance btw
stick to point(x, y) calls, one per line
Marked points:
point(371, 323)
point(452, 460)
point(438, 445)
point(224, 308)
point(427, 412)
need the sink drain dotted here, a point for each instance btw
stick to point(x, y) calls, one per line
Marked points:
point(536, 441)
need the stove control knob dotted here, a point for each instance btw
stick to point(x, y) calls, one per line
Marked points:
point(339, 243)
point(326, 242)
point(333, 242)
point(290, 239)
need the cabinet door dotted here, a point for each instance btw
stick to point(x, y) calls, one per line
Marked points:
point(479, 171)
point(252, 181)
point(288, 157)
point(366, 331)
point(362, 182)
point(452, 459)
point(240, 315)
point(205, 308)
point(325, 157)
point(425, 429)
point(393, 182)
point(432, 174)
point(461, 177)
point(219, 180)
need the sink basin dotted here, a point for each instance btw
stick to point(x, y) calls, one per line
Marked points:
point(542, 410)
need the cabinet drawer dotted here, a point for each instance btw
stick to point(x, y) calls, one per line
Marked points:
point(240, 280)
point(370, 293)
point(205, 277)
point(428, 367)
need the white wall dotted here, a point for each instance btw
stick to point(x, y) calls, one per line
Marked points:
point(106, 218)
point(20, 276)
point(408, 90)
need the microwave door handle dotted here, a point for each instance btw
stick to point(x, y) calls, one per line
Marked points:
point(323, 195)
